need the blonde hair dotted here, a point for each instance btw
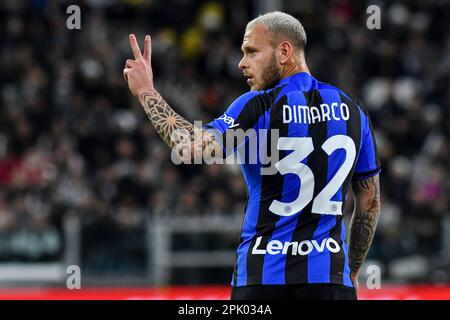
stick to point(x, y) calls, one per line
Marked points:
point(282, 26)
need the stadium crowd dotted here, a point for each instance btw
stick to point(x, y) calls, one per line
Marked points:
point(72, 138)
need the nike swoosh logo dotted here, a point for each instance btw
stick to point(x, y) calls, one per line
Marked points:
point(234, 125)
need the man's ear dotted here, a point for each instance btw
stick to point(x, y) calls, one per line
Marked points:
point(286, 51)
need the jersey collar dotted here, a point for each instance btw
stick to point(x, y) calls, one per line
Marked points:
point(301, 79)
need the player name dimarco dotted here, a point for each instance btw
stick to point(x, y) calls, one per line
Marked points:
point(312, 114)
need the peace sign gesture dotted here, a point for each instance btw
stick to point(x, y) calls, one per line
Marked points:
point(138, 72)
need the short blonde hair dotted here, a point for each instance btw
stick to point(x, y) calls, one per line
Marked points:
point(282, 26)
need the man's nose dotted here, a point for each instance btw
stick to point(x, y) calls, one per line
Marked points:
point(243, 64)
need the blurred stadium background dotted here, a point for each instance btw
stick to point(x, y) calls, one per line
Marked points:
point(85, 180)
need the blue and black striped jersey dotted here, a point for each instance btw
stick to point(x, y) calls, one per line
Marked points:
point(293, 230)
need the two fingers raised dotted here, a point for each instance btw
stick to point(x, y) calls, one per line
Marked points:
point(137, 54)
point(137, 51)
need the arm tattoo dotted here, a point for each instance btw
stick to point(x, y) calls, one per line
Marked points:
point(176, 131)
point(364, 220)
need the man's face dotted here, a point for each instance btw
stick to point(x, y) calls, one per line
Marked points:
point(259, 63)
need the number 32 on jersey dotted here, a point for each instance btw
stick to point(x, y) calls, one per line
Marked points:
point(302, 147)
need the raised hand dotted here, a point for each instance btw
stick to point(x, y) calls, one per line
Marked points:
point(138, 72)
point(179, 134)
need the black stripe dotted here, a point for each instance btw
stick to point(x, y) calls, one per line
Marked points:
point(249, 117)
point(353, 130)
point(271, 189)
point(365, 174)
point(296, 265)
point(360, 104)
point(253, 110)
point(255, 107)
point(235, 270)
point(377, 159)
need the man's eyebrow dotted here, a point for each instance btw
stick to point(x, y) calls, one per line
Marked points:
point(247, 47)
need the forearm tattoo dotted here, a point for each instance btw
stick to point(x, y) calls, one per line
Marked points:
point(177, 132)
point(364, 220)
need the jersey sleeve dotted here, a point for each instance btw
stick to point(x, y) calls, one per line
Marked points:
point(241, 114)
point(368, 163)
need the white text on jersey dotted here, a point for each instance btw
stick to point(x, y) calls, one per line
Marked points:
point(309, 115)
point(229, 121)
point(303, 248)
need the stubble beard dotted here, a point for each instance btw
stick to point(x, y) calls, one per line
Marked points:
point(271, 74)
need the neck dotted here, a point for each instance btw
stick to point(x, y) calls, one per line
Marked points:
point(290, 69)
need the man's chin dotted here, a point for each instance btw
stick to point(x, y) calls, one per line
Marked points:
point(255, 87)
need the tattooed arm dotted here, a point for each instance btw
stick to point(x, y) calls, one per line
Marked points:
point(364, 221)
point(179, 134)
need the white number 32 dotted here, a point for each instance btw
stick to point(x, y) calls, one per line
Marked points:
point(302, 147)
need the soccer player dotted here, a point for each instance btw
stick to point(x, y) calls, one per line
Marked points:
point(293, 239)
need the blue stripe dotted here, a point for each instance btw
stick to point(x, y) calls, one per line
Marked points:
point(347, 281)
point(363, 118)
point(366, 160)
point(319, 264)
point(275, 265)
point(370, 149)
point(251, 173)
point(253, 179)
